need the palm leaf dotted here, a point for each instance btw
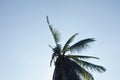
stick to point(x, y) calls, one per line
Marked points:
point(81, 57)
point(69, 71)
point(53, 57)
point(90, 65)
point(82, 72)
point(65, 48)
point(81, 44)
point(55, 33)
point(86, 75)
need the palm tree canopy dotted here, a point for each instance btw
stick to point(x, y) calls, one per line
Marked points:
point(69, 66)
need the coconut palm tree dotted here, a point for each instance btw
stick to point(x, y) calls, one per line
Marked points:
point(70, 66)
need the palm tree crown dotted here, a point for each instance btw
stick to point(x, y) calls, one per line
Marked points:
point(70, 66)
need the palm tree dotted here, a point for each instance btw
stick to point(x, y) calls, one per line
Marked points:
point(72, 66)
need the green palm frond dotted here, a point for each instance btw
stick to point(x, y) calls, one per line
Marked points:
point(55, 33)
point(86, 75)
point(47, 20)
point(56, 53)
point(81, 57)
point(53, 57)
point(69, 70)
point(65, 48)
point(90, 66)
point(81, 44)
point(74, 71)
point(57, 49)
point(70, 75)
point(82, 72)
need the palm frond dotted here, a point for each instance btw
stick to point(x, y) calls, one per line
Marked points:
point(82, 72)
point(81, 57)
point(90, 66)
point(65, 48)
point(55, 33)
point(74, 71)
point(69, 70)
point(53, 58)
point(47, 20)
point(51, 47)
point(86, 75)
point(81, 44)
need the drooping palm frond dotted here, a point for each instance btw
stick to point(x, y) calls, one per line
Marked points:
point(55, 33)
point(82, 72)
point(57, 52)
point(81, 44)
point(69, 72)
point(90, 66)
point(85, 74)
point(65, 48)
point(81, 57)
point(53, 57)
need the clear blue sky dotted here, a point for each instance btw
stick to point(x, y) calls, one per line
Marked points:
point(25, 36)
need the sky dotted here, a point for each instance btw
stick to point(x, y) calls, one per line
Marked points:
point(25, 36)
